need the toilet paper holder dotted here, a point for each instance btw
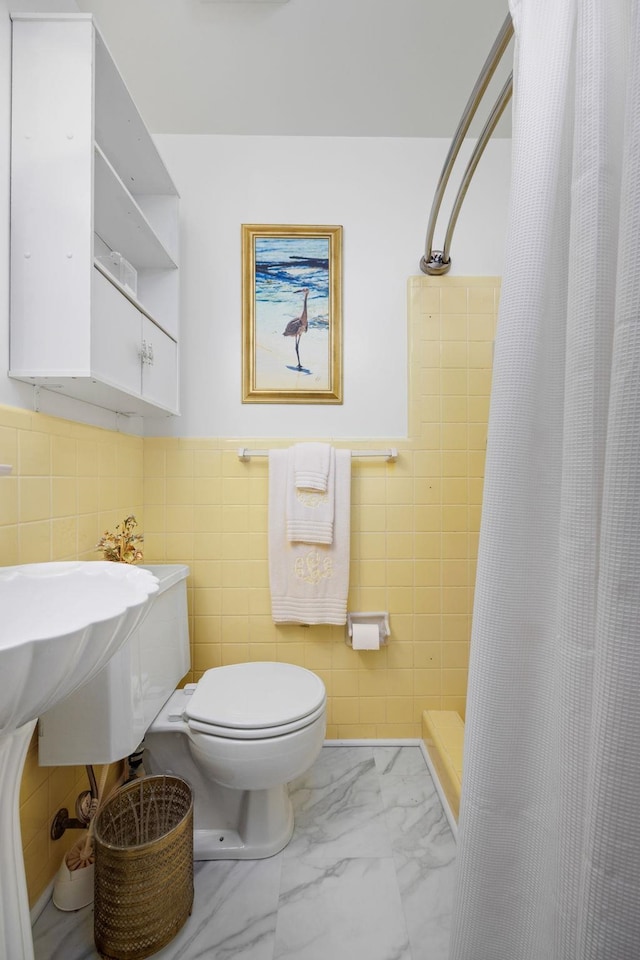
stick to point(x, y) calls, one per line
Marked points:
point(380, 618)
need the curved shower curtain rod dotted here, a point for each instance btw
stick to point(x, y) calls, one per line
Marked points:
point(438, 262)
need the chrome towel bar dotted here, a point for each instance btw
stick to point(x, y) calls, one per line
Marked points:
point(390, 455)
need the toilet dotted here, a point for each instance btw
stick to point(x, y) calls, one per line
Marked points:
point(238, 736)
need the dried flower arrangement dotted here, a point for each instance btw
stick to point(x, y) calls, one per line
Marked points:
point(122, 546)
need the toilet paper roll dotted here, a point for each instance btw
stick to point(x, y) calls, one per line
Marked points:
point(366, 636)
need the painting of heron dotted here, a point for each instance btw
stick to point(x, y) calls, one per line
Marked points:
point(292, 313)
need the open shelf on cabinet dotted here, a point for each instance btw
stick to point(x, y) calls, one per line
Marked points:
point(120, 222)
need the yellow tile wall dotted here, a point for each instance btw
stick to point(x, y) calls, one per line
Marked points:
point(413, 548)
point(414, 534)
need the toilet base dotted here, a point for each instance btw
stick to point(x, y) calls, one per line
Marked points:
point(265, 829)
point(228, 824)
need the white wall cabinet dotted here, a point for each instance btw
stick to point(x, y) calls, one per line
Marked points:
point(86, 180)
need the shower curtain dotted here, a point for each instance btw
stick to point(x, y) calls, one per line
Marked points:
point(549, 848)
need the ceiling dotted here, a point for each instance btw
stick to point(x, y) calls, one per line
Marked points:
point(366, 68)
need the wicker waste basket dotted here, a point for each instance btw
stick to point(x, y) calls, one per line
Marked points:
point(144, 867)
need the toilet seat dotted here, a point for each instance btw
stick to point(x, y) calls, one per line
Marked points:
point(259, 733)
point(255, 701)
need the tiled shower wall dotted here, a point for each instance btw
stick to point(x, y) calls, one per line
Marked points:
point(414, 538)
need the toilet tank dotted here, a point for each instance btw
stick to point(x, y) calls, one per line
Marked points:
point(105, 719)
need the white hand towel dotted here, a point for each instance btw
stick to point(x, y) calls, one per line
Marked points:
point(309, 512)
point(311, 465)
point(309, 582)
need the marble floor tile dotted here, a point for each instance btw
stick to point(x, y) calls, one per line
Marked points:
point(427, 897)
point(400, 762)
point(234, 912)
point(234, 915)
point(333, 763)
point(338, 808)
point(349, 909)
point(368, 874)
point(423, 850)
point(417, 825)
point(64, 936)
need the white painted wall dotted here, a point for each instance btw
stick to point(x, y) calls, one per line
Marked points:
point(381, 191)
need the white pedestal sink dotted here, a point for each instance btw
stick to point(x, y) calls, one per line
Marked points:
point(59, 624)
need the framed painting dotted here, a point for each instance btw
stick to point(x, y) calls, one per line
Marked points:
point(291, 313)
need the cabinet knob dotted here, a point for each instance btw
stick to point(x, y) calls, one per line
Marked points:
point(146, 352)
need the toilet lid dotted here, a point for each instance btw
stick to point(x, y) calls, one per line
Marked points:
point(255, 696)
point(257, 733)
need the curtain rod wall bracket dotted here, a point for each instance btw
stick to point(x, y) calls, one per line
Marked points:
point(435, 265)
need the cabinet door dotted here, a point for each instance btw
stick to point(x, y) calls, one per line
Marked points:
point(159, 367)
point(116, 334)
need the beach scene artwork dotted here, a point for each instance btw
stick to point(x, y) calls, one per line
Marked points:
point(294, 324)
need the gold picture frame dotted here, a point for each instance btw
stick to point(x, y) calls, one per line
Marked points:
point(291, 289)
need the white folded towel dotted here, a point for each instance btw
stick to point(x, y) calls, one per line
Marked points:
point(311, 462)
point(310, 512)
point(309, 582)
